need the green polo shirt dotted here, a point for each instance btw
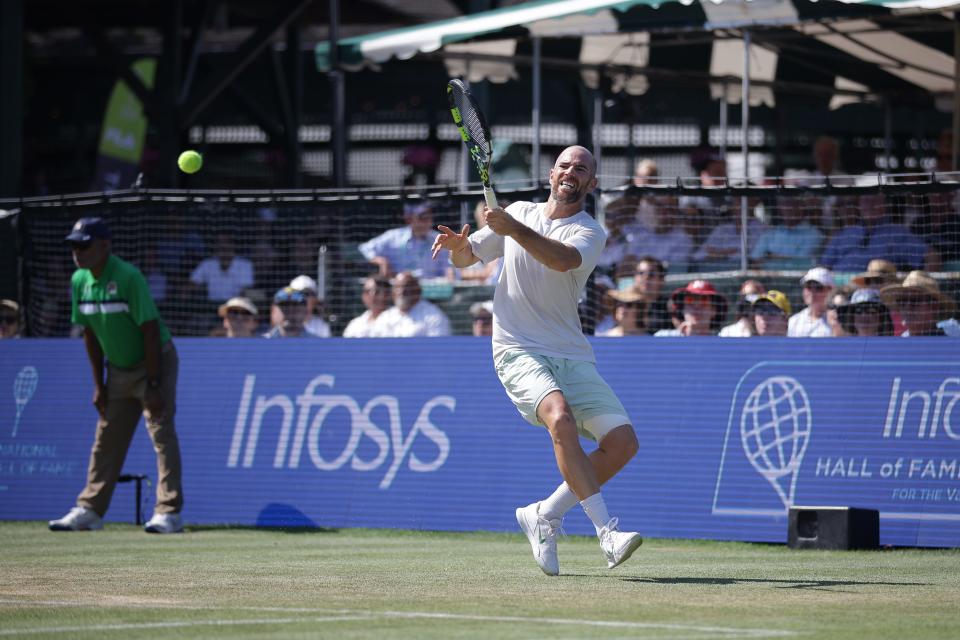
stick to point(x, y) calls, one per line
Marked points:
point(113, 307)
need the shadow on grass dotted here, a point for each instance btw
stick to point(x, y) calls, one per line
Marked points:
point(265, 529)
point(777, 582)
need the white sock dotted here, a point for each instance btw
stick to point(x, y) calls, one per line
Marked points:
point(559, 502)
point(596, 510)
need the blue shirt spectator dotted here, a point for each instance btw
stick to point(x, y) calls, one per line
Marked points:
point(408, 248)
point(790, 245)
point(852, 248)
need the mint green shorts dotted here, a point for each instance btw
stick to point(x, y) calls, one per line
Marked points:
point(529, 377)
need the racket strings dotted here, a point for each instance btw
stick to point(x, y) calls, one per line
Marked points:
point(472, 121)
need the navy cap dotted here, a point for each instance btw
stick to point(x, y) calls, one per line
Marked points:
point(288, 294)
point(86, 229)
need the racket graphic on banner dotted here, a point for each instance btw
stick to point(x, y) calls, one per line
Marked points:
point(23, 387)
point(475, 133)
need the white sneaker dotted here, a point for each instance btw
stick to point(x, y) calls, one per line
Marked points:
point(617, 545)
point(164, 523)
point(78, 519)
point(542, 534)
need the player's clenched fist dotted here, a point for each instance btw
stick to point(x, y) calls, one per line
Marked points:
point(500, 221)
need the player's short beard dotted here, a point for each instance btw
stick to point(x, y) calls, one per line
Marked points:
point(559, 197)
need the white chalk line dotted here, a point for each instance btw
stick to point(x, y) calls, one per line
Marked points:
point(726, 632)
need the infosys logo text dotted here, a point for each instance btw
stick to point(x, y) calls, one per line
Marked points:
point(301, 438)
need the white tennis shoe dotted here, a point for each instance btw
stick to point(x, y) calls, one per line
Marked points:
point(164, 523)
point(542, 534)
point(78, 519)
point(618, 545)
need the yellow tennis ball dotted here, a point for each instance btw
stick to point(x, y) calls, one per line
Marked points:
point(190, 161)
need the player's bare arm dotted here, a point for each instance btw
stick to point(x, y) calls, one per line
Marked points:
point(456, 243)
point(551, 253)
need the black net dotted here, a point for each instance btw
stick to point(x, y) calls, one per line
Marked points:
point(661, 239)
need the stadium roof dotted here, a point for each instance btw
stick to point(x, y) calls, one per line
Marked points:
point(893, 47)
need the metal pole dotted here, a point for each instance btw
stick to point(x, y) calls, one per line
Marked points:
point(955, 146)
point(724, 107)
point(888, 135)
point(338, 133)
point(744, 146)
point(535, 163)
point(598, 147)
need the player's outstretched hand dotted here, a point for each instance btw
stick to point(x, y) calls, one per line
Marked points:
point(450, 240)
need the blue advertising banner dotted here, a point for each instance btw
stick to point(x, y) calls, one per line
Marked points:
point(418, 433)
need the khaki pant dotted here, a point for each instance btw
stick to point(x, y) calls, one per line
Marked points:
point(125, 389)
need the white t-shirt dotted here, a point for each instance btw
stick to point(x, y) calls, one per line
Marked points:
point(739, 329)
point(317, 327)
point(223, 285)
point(423, 319)
point(360, 327)
point(535, 307)
point(802, 325)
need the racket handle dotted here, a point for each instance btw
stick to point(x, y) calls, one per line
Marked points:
point(490, 197)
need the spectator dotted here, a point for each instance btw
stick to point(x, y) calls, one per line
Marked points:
point(628, 314)
point(812, 321)
point(703, 310)
point(667, 241)
point(770, 313)
point(826, 160)
point(721, 249)
point(938, 226)
point(135, 368)
point(376, 298)
point(9, 319)
point(482, 314)
point(838, 300)
point(408, 248)
point(314, 322)
point(645, 174)
point(620, 222)
point(596, 313)
point(750, 291)
point(920, 304)
point(866, 315)
point(702, 213)
point(410, 316)
point(292, 305)
point(875, 237)
point(239, 318)
point(650, 277)
point(793, 244)
point(879, 274)
point(225, 275)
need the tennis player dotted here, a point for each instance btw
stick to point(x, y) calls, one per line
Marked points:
point(541, 356)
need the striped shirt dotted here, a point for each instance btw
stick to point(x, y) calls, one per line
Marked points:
point(114, 306)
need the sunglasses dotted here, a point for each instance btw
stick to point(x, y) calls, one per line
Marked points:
point(814, 286)
point(80, 246)
point(915, 301)
point(866, 309)
point(239, 313)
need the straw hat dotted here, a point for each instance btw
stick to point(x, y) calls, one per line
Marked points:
point(626, 296)
point(919, 282)
point(879, 273)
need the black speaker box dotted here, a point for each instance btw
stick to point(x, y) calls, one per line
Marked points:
point(837, 528)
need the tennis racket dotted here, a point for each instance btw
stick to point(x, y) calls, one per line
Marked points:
point(475, 133)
